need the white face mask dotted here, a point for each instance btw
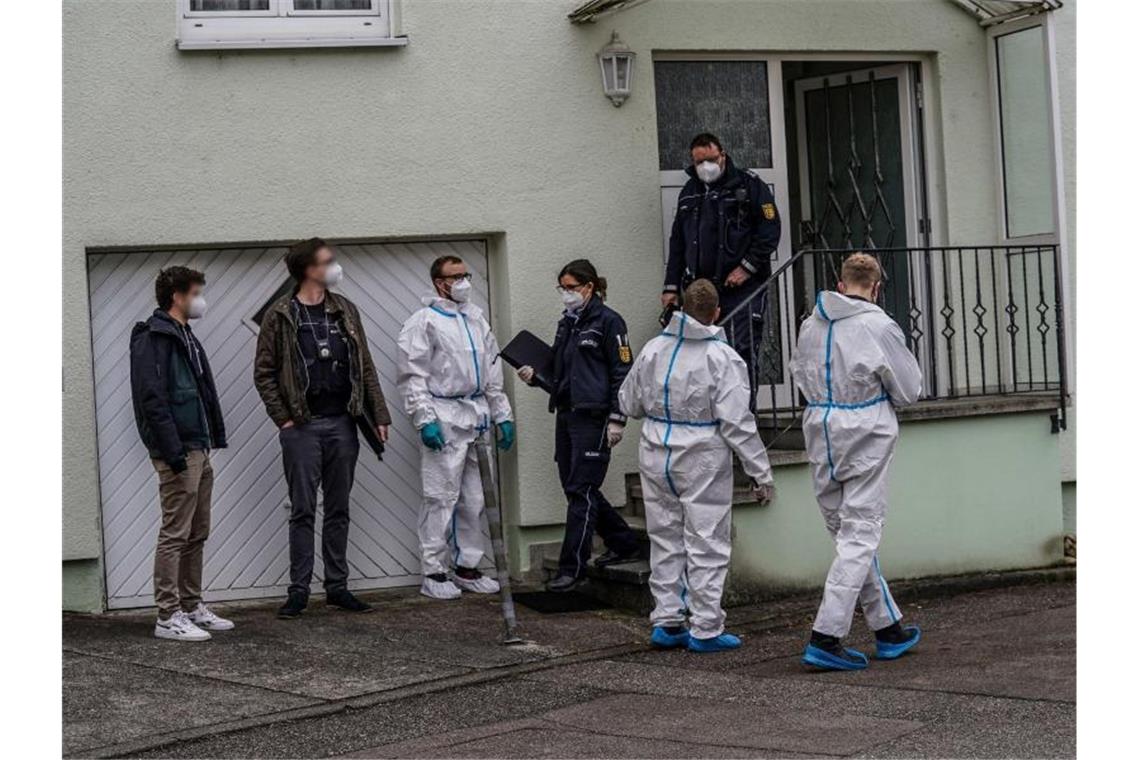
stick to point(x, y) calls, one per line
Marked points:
point(196, 309)
point(572, 299)
point(709, 171)
point(461, 291)
point(333, 274)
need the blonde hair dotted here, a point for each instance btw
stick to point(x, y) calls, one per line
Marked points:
point(861, 270)
point(701, 301)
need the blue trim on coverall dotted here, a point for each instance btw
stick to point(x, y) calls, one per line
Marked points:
point(668, 414)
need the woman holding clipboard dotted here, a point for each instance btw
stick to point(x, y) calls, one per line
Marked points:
point(591, 358)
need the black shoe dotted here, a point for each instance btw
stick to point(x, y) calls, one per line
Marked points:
point(346, 601)
point(293, 606)
point(613, 558)
point(563, 583)
point(893, 634)
point(828, 652)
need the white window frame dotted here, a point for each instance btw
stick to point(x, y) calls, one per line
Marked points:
point(283, 26)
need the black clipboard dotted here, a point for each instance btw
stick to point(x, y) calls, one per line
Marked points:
point(527, 349)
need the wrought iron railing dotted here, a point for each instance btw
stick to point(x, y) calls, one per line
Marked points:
point(981, 320)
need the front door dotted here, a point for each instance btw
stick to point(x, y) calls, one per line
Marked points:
point(858, 178)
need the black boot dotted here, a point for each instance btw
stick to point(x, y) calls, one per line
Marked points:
point(346, 601)
point(293, 606)
point(610, 557)
point(563, 583)
point(894, 640)
point(828, 652)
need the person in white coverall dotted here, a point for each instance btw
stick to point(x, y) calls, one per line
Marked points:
point(691, 389)
point(853, 366)
point(452, 384)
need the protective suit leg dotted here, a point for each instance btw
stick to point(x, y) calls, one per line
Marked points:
point(665, 523)
point(442, 473)
point(853, 511)
point(706, 496)
point(467, 539)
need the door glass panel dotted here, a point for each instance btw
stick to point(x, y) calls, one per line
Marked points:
point(332, 5)
point(727, 98)
point(218, 6)
point(1025, 140)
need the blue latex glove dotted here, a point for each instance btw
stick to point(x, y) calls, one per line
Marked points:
point(432, 436)
point(506, 435)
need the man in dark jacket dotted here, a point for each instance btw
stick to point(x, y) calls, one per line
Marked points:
point(315, 374)
point(180, 421)
point(726, 230)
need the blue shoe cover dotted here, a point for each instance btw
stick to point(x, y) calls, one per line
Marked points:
point(885, 651)
point(721, 643)
point(821, 658)
point(662, 639)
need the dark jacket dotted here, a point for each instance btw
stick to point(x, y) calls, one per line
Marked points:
point(732, 222)
point(592, 353)
point(279, 369)
point(176, 404)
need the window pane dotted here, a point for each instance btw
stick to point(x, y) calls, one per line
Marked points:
point(727, 98)
point(332, 5)
point(1027, 159)
point(216, 6)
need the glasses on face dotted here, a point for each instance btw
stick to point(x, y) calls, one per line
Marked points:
point(567, 289)
point(454, 278)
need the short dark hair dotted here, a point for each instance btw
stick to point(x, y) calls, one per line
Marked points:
point(173, 280)
point(437, 265)
point(705, 140)
point(584, 272)
point(302, 255)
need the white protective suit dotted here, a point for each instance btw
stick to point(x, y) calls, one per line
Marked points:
point(449, 372)
point(853, 366)
point(691, 389)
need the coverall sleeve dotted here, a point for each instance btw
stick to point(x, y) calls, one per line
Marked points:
point(737, 424)
point(766, 237)
point(630, 401)
point(148, 380)
point(493, 390)
point(265, 365)
point(899, 373)
point(373, 393)
point(619, 357)
point(675, 266)
point(414, 369)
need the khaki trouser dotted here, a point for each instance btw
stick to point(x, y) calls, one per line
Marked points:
point(185, 499)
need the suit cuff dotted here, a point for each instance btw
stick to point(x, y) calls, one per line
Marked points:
point(618, 418)
point(748, 265)
point(671, 289)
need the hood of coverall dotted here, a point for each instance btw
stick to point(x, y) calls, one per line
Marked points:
point(837, 306)
point(439, 302)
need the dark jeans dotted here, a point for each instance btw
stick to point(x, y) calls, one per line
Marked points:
point(320, 453)
point(583, 456)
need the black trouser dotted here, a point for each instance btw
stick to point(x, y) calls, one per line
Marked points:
point(319, 453)
point(745, 331)
point(583, 456)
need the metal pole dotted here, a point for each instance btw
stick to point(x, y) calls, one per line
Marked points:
point(498, 542)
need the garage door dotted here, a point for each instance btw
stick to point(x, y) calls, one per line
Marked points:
point(247, 554)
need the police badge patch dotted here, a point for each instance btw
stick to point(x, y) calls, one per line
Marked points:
point(769, 210)
point(624, 353)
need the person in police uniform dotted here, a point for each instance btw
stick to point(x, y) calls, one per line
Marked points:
point(591, 359)
point(726, 230)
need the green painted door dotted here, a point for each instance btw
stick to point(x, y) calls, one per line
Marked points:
point(857, 173)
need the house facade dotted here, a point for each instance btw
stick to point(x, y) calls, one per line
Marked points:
point(215, 132)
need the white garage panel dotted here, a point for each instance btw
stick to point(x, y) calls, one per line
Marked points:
point(247, 553)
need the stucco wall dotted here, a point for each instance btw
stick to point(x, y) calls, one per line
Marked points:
point(491, 121)
point(966, 495)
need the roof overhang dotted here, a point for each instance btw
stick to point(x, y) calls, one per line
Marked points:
point(590, 11)
point(991, 12)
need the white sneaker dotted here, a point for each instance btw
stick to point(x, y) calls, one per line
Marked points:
point(204, 618)
point(440, 589)
point(179, 628)
point(481, 585)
